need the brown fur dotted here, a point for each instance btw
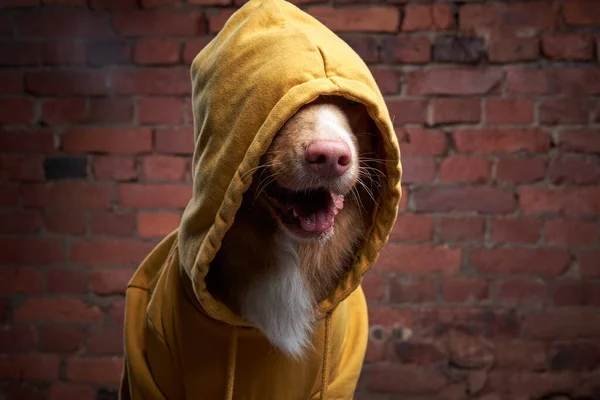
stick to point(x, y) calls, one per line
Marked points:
point(247, 252)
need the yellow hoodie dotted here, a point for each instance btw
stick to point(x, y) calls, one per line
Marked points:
point(181, 343)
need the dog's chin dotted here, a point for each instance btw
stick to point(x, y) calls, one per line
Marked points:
point(304, 215)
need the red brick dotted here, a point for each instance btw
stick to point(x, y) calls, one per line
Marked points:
point(531, 292)
point(157, 224)
point(111, 281)
point(19, 3)
point(218, 20)
point(373, 286)
point(363, 19)
point(29, 366)
point(560, 200)
point(113, 5)
point(58, 111)
point(389, 317)
point(117, 311)
point(156, 52)
point(64, 53)
point(160, 3)
point(588, 263)
point(151, 22)
point(571, 232)
point(521, 355)
point(476, 198)
point(11, 82)
point(575, 356)
point(515, 230)
point(438, 17)
point(559, 324)
point(61, 391)
point(521, 17)
point(509, 49)
point(572, 292)
point(27, 141)
point(66, 82)
point(175, 141)
point(581, 13)
point(454, 81)
point(37, 309)
point(554, 80)
point(413, 228)
point(112, 224)
point(563, 111)
point(573, 170)
point(580, 141)
point(19, 222)
point(417, 141)
point(106, 341)
point(419, 353)
point(160, 110)
point(192, 47)
point(17, 338)
point(65, 222)
point(508, 111)
point(449, 111)
point(114, 168)
point(61, 339)
point(365, 46)
point(491, 141)
point(21, 168)
point(108, 252)
point(16, 110)
point(401, 49)
point(20, 53)
point(102, 53)
point(67, 195)
point(31, 251)
point(387, 80)
point(9, 195)
point(173, 81)
point(154, 196)
point(66, 281)
point(108, 140)
point(465, 290)
point(418, 169)
point(413, 290)
point(461, 228)
point(465, 169)
point(520, 170)
point(419, 259)
point(403, 111)
point(520, 261)
point(68, 24)
point(94, 370)
point(111, 110)
point(568, 46)
point(408, 380)
point(214, 2)
point(20, 280)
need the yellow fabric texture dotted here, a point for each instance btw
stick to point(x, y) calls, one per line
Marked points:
point(181, 343)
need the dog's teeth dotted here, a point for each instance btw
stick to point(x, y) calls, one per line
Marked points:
point(294, 213)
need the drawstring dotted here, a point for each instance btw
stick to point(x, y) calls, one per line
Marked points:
point(233, 342)
point(325, 371)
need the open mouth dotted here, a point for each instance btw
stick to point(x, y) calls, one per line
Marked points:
point(307, 214)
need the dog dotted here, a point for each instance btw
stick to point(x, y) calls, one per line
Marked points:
point(300, 222)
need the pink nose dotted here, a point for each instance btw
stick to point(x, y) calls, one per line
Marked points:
point(328, 158)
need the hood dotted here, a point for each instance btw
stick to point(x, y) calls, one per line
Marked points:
point(269, 59)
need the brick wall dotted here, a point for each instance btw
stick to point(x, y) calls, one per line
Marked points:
point(490, 287)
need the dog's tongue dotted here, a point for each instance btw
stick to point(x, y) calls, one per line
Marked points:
point(318, 214)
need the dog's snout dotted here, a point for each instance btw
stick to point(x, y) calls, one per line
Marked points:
point(329, 158)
